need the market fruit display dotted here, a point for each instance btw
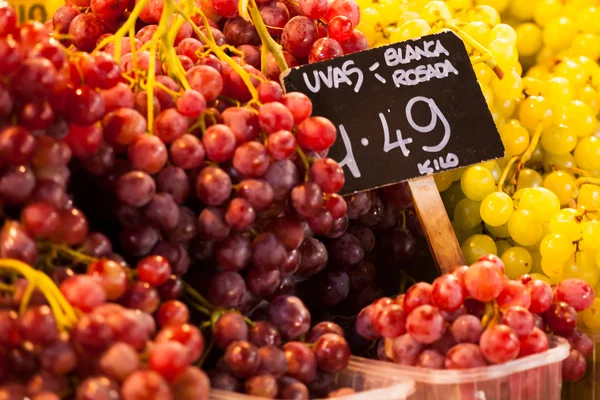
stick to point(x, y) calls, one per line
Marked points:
point(171, 221)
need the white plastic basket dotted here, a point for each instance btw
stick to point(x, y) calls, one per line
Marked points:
point(372, 381)
point(535, 377)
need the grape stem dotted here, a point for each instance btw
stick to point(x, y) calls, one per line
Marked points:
point(63, 312)
point(505, 173)
point(491, 315)
point(67, 251)
point(582, 181)
point(120, 34)
point(305, 163)
point(266, 38)
point(486, 55)
point(529, 151)
point(193, 293)
point(216, 49)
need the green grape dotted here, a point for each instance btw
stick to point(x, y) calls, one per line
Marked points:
point(443, 180)
point(571, 70)
point(506, 107)
point(522, 10)
point(370, 16)
point(591, 97)
point(536, 263)
point(529, 39)
point(586, 44)
point(457, 174)
point(451, 197)
point(562, 184)
point(541, 277)
point(466, 214)
point(582, 266)
point(565, 223)
point(529, 178)
point(500, 232)
point(546, 10)
point(504, 52)
point(517, 262)
point(536, 110)
point(578, 116)
point(553, 268)
point(459, 4)
point(496, 208)
point(496, 173)
point(389, 11)
point(504, 31)
point(559, 33)
point(498, 5)
point(502, 246)
point(405, 17)
point(558, 91)
point(589, 197)
point(488, 94)
point(591, 233)
point(462, 235)
point(487, 14)
point(559, 140)
point(515, 137)
point(587, 153)
point(487, 164)
point(532, 86)
point(523, 227)
point(587, 20)
point(556, 247)
point(541, 202)
point(564, 162)
point(411, 30)
point(509, 87)
point(369, 32)
point(591, 316)
point(539, 71)
point(546, 55)
point(477, 182)
point(435, 11)
point(476, 246)
point(483, 72)
point(537, 156)
point(478, 30)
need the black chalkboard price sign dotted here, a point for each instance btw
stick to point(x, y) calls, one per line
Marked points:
point(404, 112)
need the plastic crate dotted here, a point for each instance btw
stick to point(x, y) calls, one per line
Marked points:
point(536, 377)
point(588, 388)
point(372, 381)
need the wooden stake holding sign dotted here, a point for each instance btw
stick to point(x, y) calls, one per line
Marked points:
point(404, 112)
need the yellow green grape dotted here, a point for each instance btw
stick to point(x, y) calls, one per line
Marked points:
point(476, 246)
point(517, 262)
point(477, 182)
point(496, 208)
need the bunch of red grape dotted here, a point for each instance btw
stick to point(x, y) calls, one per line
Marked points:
point(113, 350)
point(269, 368)
point(475, 317)
point(213, 167)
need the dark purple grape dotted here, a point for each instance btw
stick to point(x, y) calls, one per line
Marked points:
point(234, 253)
point(229, 328)
point(226, 289)
point(263, 333)
point(313, 257)
point(301, 361)
point(290, 316)
point(272, 361)
point(333, 287)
